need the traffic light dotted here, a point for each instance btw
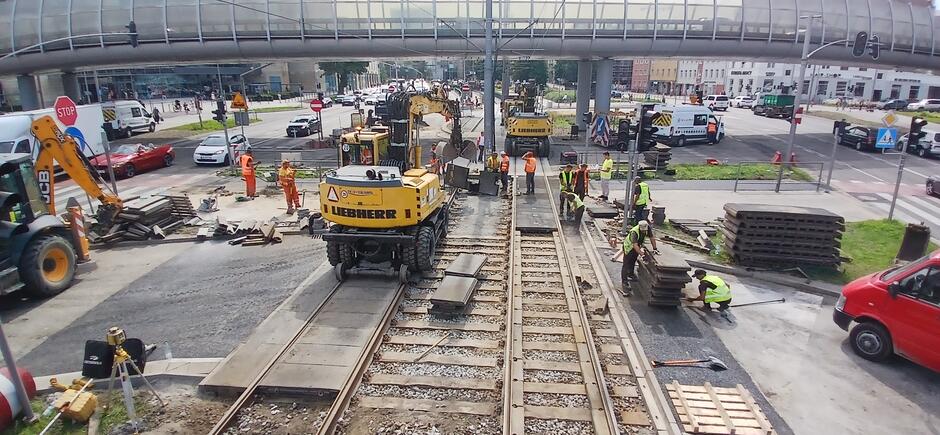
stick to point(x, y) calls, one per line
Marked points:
point(219, 112)
point(132, 29)
point(914, 137)
point(874, 49)
point(647, 130)
point(587, 117)
point(861, 41)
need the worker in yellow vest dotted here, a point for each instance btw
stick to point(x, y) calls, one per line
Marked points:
point(607, 171)
point(712, 289)
point(565, 178)
point(632, 249)
point(575, 206)
point(641, 199)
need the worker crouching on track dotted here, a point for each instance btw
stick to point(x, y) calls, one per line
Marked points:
point(712, 289)
point(287, 176)
point(632, 249)
point(248, 171)
point(575, 207)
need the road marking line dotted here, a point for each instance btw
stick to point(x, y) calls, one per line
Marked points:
point(926, 204)
point(902, 202)
point(898, 214)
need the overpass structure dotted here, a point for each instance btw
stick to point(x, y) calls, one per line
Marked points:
point(172, 31)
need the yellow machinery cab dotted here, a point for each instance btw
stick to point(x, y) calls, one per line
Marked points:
point(379, 197)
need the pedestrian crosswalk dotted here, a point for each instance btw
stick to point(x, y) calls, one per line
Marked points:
point(140, 186)
point(908, 208)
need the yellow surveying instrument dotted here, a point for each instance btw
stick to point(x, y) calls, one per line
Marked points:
point(116, 338)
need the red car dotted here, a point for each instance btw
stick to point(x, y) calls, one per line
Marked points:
point(131, 159)
point(896, 311)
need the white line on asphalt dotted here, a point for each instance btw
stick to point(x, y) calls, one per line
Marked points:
point(926, 204)
point(898, 214)
point(902, 202)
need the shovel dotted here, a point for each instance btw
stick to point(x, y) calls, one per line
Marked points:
point(713, 363)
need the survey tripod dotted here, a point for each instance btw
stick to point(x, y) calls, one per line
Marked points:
point(116, 337)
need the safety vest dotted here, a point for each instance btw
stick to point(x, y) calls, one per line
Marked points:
point(530, 165)
point(366, 156)
point(644, 198)
point(712, 128)
point(640, 238)
point(247, 164)
point(504, 165)
point(577, 202)
point(285, 175)
point(492, 163)
point(564, 179)
point(721, 292)
point(607, 169)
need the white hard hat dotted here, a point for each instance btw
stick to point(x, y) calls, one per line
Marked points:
point(644, 225)
point(502, 153)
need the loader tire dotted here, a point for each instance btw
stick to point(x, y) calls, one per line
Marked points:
point(425, 244)
point(47, 266)
point(332, 249)
point(409, 253)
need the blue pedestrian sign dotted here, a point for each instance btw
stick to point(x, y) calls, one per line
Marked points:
point(886, 138)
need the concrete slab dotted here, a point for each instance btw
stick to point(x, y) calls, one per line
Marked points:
point(454, 291)
point(468, 265)
point(489, 183)
point(478, 214)
point(534, 212)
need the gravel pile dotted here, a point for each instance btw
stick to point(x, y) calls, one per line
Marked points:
point(552, 399)
point(548, 355)
point(428, 393)
point(476, 335)
point(553, 338)
point(545, 308)
point(558, 427)
point(610, 358)
point(539, 321)
point(620, 380)
point(553, 376)
point(265, 418)
point(452, 371)
point(442, 350)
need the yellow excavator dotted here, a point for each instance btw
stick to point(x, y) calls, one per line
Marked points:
point(526, 127)
point(40, 252)
point(383, 205)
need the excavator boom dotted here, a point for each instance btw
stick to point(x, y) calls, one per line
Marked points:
point(54, 146)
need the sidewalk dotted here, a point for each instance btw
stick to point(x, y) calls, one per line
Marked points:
point(171, 119)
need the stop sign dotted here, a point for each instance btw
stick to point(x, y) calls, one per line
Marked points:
point(465, 88)
point(65, 110)
point(316, 105)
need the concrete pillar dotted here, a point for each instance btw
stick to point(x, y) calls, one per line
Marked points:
point(70, 86)
point(29, 93)
point(584, 92)
point(507, 78)
point(605, 81)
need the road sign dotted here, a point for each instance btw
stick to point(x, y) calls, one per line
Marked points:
point(241, 118)
point(889, 119)
point(316, 105)
point(65, 110)
point(798, 119)
point(238, 101)
point(887, 138)
point(465, 88)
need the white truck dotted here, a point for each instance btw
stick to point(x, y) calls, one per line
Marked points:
point(16, 135)
point(681, 124)
point(124, 117)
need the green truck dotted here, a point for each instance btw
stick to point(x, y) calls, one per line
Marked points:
point(774, 106)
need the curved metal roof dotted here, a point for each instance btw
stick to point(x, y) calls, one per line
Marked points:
point(205, 30)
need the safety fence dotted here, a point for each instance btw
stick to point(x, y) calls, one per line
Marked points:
point(757, 176)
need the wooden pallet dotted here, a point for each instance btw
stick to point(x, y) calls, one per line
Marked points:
point(716, 410)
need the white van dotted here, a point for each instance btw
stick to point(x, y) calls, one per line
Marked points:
point(929, 146)
point(679, 125)
point(716, 102)
point(16, 134)
point(126, 117)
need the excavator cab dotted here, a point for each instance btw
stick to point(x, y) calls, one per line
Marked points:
point(372, 147)
point(20, 194)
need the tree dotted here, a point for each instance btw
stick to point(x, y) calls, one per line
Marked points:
point(343, 70)
point(536, 70)
point(567, 70)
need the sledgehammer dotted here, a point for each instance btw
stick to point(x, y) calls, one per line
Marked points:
point(713, 363)
point(759, 302)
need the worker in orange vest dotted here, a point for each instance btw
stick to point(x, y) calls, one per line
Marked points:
point(366, 157)
point(582, 178)
point(504, 172)
point(248, 171)
point(711, 131)
point(530, 164)
point(287, 176)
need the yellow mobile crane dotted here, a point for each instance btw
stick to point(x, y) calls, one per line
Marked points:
point(526, 128)
point(383, 205)
point(38, 249)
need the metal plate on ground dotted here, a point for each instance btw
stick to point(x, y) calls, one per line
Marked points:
point(602, 211)
point(468, 265)
point(489, 183)
point(458, 173)
point(454, 291)
point(534, 212)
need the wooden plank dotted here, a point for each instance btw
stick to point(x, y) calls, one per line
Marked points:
point(421, 324)
point(704, 412)
point(544, 290)
point(534, 301)
point(531, 364)
point(432, 381)
point(707, 404)
point(557, 412)
point(549, 330)
point(550, 346)
point(704, 397)
point(613, 349)
point(686, 409)
point(428, 405)
point(421, 340)
point(736, 423)
point(758, 413)
point(433, 358)
point(542, 279)
point(539, 261)
point(545, 314)
point(635, 418)
point(554, 388)
point(470, 312)
point(625, 391)
point(721, 410)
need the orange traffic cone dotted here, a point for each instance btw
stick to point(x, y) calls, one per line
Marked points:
point(792, 159)
point(778, 158)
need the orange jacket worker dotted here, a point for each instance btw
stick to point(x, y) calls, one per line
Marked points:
point(248, 171)
point(288, 179)
point(530, 166)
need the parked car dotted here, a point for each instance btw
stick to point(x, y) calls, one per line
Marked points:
point(716, 102)
point(327, 102)
point(131, 159)
point(303, 125)
point(896, 311)
point(892, 105)
point(933, 186)
point(742, 101)
point(928, 104)
point(212, 149)
point(616, 94)
point(350, 100)
point(862, 138)
point(929, 146)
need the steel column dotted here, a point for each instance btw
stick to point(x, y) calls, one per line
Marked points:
point(605, 80)
point(583, 96)
point(489, 97)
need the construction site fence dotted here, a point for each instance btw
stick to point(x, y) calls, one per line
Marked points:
point(814, 169)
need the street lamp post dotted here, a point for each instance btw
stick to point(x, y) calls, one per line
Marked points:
point(804, 60)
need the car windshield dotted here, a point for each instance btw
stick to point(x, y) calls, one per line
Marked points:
point(892, 274)
point(214, 141)
point(125, 149)
point(721, 98)
point(299, 120)
point(6, 147)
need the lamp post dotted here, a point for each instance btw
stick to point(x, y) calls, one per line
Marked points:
point(804, 60)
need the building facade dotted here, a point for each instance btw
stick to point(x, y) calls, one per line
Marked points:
point(663, 76)
point(640, 78)
point(623, 73)
point(705, 75)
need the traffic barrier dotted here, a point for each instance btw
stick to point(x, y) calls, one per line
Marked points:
point(792, 159)
point(777, 159)
point(10, 405)
point(77, 224)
